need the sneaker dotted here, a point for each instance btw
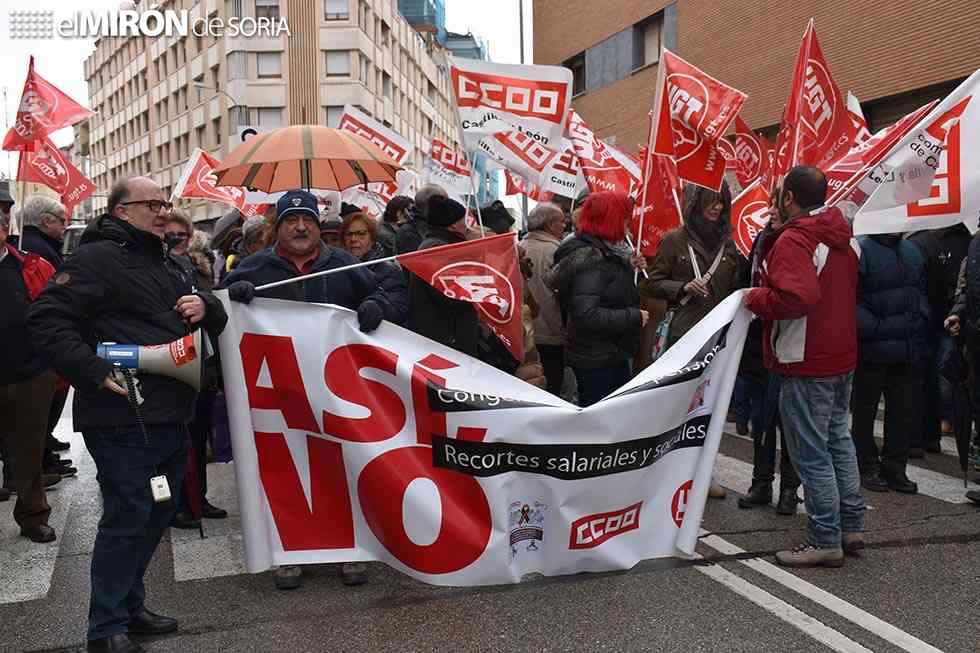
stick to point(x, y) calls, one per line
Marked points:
point(806, 555)
point(716, 491)
point(760, 494)
point(788, 500)
point(289, 577)
point(353, 573)
point(851, 543)
point(901, 483)
point(873, 481)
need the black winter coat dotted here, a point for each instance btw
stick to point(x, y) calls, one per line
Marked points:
point(392, 280)
point(387, 234)
point(35, 240)
point(348, 289)
point(17, 350)
point(944, 251)
point(451, 322)
point(892, 310)
point(118, 286)
point(599, 301)
point(410, 236)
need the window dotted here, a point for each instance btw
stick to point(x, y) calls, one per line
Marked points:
point(577, 65)
point(267, 9)
point(199, 137)
point(646, 42)
point(269, 64)
point(365, 69)
point(386, 85)
point(270, 117)
point(335, 10)
point(233, 8)
point(216, 130)
point(385, 34)
point(198, 84)
point(237, 66)
point(237, 116)
point(338, 63)
point(333, 116)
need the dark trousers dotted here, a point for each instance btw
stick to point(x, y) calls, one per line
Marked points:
point(553, 362)
point(200, 432)
point(132, 524)
point(749, 401)
point(596, 383)
point(764, 435)
point(24, 410)
point(901, 384)
point(57, 407)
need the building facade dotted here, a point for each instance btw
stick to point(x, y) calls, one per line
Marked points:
point(157, 99)
point(894, 58)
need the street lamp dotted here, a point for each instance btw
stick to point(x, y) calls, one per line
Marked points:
point(234, 102)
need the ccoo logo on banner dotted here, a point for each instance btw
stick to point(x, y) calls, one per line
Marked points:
point(391, 447)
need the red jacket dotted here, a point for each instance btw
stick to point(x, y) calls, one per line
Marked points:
point(807, 296)
point(34, 270)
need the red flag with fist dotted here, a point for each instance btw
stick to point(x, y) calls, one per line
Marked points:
point(43, 109)
point(484, 272)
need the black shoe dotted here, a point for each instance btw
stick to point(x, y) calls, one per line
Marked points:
point(51, 479)
point(873, 481)
point(934, 447)
point(974, 496)
point(353, 573)
point(144, 622)
point(120, 643)
point(185, 521)
point(61, 470)
point(917, 452)
point(54, 444)
point(212, 512)
point(788, 500)
point(760, 494)
point(901, 483)
point(741, 428)
point(41, 534)
point(4, 494)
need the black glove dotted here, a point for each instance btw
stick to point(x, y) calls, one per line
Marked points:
point(369, 315)
point(241, 291)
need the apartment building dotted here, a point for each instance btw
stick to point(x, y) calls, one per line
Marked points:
point(156, 99)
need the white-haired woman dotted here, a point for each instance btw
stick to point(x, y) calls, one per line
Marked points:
point(43, 220)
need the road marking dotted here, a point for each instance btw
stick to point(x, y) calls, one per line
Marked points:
point(835, 604)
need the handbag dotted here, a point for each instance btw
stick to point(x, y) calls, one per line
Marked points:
point(663, 329)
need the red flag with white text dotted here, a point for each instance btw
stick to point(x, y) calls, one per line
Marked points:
point(695, 110)
point(449, 168)
point(48, 165)
point(602, 168)
point(43, 109)
point(750, 155)
point(750, 215)
point(517, 185)
point(388, 141)
point(198, 180)
point(861, 131)
point(657, 209)
point(484, 272)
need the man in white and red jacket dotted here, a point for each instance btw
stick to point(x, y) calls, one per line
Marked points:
point(806, 271)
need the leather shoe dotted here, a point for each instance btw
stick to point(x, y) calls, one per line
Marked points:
point(41, 534)
point(61, 469)
point(873, 481)
point(212, 512)
point(4, 494)
point(51, 479)
point(120, 643)
point(54, 444)
point(760, 494)
point(788, 499)
point(901, 483)
point(185, 521)
point(144, 622)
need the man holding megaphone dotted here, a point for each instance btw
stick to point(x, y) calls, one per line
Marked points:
point(121, 287)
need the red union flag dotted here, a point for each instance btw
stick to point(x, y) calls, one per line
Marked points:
point(47, 165)
point(694, 111)
point(861, 131)
point(198, 180)
point(387, 140)
point(818, 124)
point(517, 185)
point(604, 167)
point(657, 208)
point(42, 109)
point(449, 168)
point(727, 151)
point(483, 272)
point(750, 215)
point(750, 154)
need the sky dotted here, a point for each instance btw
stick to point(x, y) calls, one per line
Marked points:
point(60, 61)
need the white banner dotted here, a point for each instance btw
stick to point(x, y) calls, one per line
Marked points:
point(388, 141)
point(390, 447)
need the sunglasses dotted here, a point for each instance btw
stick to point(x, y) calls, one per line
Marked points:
point(154, 205)
point(178, 235)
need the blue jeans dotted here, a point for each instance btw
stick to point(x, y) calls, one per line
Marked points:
point(596, 383)
point(814, 411)
point(132, 524)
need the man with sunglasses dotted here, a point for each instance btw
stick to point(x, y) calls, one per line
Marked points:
point(120, 286)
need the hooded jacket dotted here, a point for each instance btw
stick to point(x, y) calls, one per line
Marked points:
point(118, 286)
point(807, 296)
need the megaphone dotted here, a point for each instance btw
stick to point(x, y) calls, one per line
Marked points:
point(180, 359)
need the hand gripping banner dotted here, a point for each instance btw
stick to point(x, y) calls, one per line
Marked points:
point(390, 447)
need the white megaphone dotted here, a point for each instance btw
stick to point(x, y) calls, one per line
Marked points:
point(180, 359)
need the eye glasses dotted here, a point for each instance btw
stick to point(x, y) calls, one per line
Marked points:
point(154, 205)
point(177, 235)
point(360, 233)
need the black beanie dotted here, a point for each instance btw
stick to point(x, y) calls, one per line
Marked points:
point(444, 212)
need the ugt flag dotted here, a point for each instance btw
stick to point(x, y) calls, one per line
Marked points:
point(693, 111)
point(861, 131)
point(750, 154)
point(484, 272)
point(47, 165)
point(198, 180)
point(602, 169)
point(750, 215)
point(42, 109)
point(657, 209)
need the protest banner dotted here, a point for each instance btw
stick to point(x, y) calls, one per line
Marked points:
point(390, 447)
point(47, 165)
point(43, 109)
point(387, 140)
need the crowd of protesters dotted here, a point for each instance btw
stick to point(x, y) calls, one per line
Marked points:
point(843, 323)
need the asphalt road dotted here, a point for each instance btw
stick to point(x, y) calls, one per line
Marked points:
point(913, 590)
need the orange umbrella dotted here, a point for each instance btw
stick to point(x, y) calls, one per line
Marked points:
point(305, 156)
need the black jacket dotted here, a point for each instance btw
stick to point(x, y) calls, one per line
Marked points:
point(392, 280)
point(599, 300)
point(944, 250)
point(347, 289)
point(452, 322)
point(118, 286)
point(387, 235)
point(410, 236)
point(35, 240)
point(17, 351)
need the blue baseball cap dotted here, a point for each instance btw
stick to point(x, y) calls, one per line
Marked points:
point(297, 201)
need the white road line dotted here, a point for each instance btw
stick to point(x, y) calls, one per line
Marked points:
point(783, 610)
point(835, 604)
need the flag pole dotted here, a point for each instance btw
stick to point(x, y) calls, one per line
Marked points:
point(651, 138)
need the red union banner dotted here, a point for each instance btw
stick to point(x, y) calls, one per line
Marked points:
point(695, 110)
point(750, 215)
point(449, 168)
point(604, 167)
point(391, 447)
point(861, 131)
point(387, 140)
point(750, 155)
point(517, 185)
point(484, 272)
point(47, 165)
point(42, 109)
point(657, 208)
point(198, 180)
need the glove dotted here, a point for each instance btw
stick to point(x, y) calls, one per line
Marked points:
point(241, 291)
point(369, 315)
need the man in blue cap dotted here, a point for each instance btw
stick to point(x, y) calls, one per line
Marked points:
point(298, 251)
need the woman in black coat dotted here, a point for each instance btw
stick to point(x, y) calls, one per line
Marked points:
point(593, 276)
point(359, 236)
